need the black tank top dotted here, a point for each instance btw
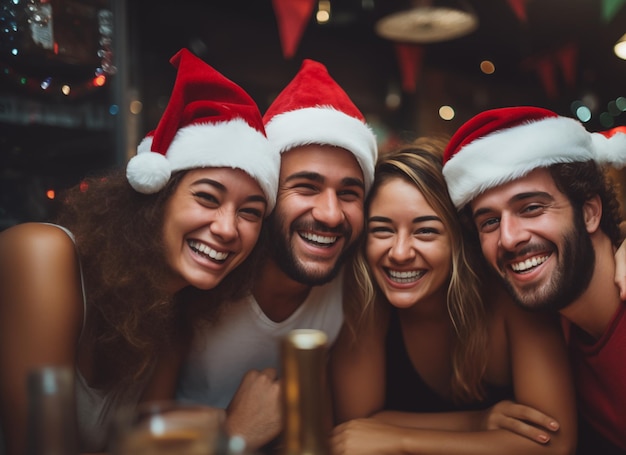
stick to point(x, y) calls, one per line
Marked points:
point(406, 390)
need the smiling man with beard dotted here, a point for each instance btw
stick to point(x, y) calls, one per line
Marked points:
point(328, 154)
point(548, 223)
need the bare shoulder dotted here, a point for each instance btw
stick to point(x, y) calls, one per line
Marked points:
point(39, 234)
point(39, 273)
point(32, 244)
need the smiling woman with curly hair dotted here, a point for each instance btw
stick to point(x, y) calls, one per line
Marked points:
point(136, 256)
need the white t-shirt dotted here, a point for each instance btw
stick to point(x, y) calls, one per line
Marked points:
point(245, 338)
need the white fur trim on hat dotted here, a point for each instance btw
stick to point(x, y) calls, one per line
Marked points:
point(325, 125)
point(610, 150)
point(231, 144)
point(507, 154)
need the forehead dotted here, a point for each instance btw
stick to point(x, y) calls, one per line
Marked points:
point(321, 159)
point(231, 178)
point(398, 192)
point(538, 180)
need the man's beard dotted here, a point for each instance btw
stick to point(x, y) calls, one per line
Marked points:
point(570, 278)
point(282, 253)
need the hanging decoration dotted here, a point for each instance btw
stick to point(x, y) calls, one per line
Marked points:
point(545, 65)
point(567, 57)
point(427, 24)
point(546, 72)
point(410, 60)
point(610, 9)
point(519, 8)
point(292, 17)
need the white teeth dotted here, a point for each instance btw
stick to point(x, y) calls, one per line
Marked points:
point(529, 263)
point(318, 238)
point(210, 252)
point(405, 277)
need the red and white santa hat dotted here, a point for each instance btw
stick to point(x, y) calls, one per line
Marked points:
point(500, 145)
point(209, 122)
point(314, 109)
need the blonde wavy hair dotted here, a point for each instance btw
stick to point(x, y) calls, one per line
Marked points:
point(419, 163)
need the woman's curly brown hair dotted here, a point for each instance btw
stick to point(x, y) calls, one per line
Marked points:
point(130, 317)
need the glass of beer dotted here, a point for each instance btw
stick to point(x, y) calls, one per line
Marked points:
point(170, 428)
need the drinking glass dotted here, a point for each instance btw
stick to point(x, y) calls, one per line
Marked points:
point(51, 412)
point(169, 428)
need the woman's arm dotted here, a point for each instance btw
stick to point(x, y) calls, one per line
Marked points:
point(41, 311)
point(374, 437)
point(542, 377)
point(357, 371)
point(542, 383)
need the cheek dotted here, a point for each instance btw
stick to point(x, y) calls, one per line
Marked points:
point(355, 217)
point(249, 235)
point(374, 250)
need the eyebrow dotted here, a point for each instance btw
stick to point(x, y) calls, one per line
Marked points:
point(516, 198)
point(319, 178)
point(417, 219)
point(222, 189)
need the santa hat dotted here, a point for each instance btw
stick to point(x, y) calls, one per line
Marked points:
point(314, 109)
point(209, 122)
point(500, 145)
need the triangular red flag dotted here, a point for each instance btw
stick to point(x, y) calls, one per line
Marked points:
point(292, 17)
point(567, 56)
point(410, 61)
point(545, 69)
point(519, 8)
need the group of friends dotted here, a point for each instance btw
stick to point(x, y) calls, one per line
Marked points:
point(469, 286)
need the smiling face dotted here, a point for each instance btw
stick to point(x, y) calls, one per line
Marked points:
point(212, 222)
point(408, 245)
point(319, 212)
point(531, 236)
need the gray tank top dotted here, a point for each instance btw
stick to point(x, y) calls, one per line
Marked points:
point(96, 409)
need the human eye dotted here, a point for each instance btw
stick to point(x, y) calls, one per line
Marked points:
point(350, 195)
point(533, 209)
point(206, 198)
point(379, 230)
point(252, 214)
point(487, 225)
point(427, 231)
point(305, 187)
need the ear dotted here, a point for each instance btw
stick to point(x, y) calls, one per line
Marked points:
point(592, 213)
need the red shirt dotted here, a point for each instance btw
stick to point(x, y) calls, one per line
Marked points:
point(599, 371)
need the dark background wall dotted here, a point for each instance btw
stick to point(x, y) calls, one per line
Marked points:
point(48, 140)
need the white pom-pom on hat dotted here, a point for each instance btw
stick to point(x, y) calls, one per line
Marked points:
point(148, 172)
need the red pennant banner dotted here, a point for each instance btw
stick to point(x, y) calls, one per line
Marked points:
point(545, 70)
point(292, 17)
point(567, 57)
point(410, 61)
point(519, 8)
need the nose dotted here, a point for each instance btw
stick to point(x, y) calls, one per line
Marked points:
point(402, 250)
point(224, 225)
point(512, 233)
point(328, 209)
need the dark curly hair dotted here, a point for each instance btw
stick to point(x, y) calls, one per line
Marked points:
point(581, 181)
point(130, 317)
